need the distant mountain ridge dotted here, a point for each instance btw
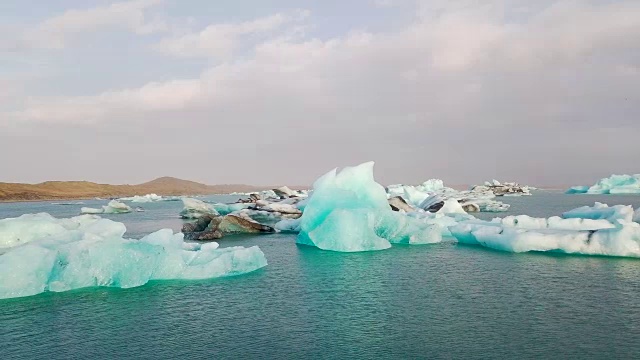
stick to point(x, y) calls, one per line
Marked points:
point(168, 186)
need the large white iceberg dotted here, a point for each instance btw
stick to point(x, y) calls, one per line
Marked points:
point(194, 209)
point(113, 207)
point(348, 211)
point(597, 230)
point(49, 254)
point(615, 184)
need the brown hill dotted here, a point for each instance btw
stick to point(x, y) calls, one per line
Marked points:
point(51, 190)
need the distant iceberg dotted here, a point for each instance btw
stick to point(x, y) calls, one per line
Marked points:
point(143, 199)
point(113, 207)
point(43, 253)
point(504, 188)
point(598, 230)
point(615, 184)
point(194, 209)
point(480, 199)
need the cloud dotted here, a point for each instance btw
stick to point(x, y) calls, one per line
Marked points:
point(463, 90)
point(55, 32)
point(220, 40)
point(384, 3)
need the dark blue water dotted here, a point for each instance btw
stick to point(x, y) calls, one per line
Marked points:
point(433, 301)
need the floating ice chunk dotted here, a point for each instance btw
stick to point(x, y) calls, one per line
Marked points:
point(432, 185)
point(346, 230)
point(398, 228)
point(30, 227)
point(278, 207)
point(89, 251)
point(624, 240)
point(452, 206)
point(601, 211)
point(194, 209)
point(349, 211)
point(113, 207)
point(288, 225)
point(492, 206)
point(143, 199)
point(597, 230)
point(636, 216)
point(554, 222)
point(88, 210)
point(503, 189)
point(224, 209)
point(116, 207)
point(615, 184)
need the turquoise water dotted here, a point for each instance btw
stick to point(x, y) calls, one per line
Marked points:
point(433, 301)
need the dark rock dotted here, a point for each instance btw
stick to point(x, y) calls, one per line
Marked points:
point(397, 203)
point(435, 207)
point(234, 224)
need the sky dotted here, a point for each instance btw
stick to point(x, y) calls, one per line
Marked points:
point(281, 91)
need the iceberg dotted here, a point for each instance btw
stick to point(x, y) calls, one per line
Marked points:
point(224, 209)
point(348, 211)
point(503, 189)
point(602, 211)
point(432, 192)
point(113, 207)
point(615, 184)
point(624, 240)
point(598, 230)
point(31, 227)
point(143, 199)
point(194, 209)
point(49, 254)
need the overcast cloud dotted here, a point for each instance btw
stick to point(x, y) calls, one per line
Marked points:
point(234, 92)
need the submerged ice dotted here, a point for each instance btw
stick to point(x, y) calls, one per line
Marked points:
point(43, 253)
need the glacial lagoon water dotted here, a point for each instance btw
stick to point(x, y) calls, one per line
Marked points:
point(432, 301)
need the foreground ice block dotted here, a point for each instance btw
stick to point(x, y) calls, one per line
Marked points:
point(31, 227)
point(348, 211)
point(597, 230)
point(68, 254)
point(615, 184)
point(624, 240)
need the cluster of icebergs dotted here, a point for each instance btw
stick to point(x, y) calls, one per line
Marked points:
point(346, 211)
point(615, 184)
point(41, 253)
point(253, 215)
point(432, 193)
point(349, 211)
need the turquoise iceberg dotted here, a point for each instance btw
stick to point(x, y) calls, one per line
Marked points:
point(49, 254)
point(348, 211)
point(615, 184)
